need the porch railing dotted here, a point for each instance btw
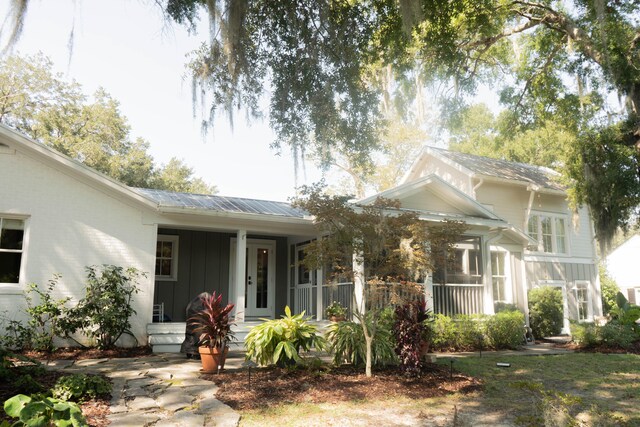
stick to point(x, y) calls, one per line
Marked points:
point(339, 292)
point(305, 299)
point(458, 299)
point(448, 299)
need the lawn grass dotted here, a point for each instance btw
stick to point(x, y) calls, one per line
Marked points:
point(569, 389)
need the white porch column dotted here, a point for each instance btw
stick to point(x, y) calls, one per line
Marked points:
point(320, 282)
point(428, 288)
point(488, 276)
point(240, 274)
point(358, 283)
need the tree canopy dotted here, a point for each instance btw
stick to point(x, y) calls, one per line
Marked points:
point(326, 64)
point(330, 67)
point(42, 105)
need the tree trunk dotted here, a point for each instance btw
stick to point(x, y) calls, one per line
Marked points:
point(368, 341)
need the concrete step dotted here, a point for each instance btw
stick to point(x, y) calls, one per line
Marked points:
point(167, 337)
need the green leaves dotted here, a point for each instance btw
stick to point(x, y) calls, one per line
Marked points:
point(280, 341)
point(44, 413)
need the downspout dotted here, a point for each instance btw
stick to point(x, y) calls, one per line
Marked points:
point(475, 187)
point(488, 275)
point(532, 193)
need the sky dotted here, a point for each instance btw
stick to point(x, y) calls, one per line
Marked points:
point(126, 47)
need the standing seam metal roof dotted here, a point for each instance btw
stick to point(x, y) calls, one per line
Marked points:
point(220, 203)
point(538, 175)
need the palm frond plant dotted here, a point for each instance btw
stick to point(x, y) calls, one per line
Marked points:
point(280, 341)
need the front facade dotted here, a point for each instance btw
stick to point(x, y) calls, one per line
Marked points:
point(561, 248)
point(58, 216)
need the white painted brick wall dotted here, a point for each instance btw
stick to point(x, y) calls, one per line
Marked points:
point(73, 223)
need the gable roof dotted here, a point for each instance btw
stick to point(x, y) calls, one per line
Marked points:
point(187, 201)
point(440, 188)
point(14, 140)
point(495, 169)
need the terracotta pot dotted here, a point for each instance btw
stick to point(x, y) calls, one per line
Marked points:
point(424, 349)
point(212, 358)
point(337, 318)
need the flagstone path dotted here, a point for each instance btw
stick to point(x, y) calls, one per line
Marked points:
point(161, 390)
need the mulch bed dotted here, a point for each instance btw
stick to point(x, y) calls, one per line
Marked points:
point(95, 410)
point(273, 386)
point(79, 353)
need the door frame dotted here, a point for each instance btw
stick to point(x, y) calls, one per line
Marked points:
point(566, 329)
point(268, 312)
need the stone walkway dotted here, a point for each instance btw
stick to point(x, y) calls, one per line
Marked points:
point(161, 390)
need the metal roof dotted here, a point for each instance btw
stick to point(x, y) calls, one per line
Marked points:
point(538, 175)
point(220, 203)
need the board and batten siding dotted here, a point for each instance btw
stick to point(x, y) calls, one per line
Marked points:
point(568, 273)
point(203, 266)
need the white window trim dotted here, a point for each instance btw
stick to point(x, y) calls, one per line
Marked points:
point(17, 288)
point(554, 234)
point(589, 300)
point(508, 288)
point(174, 257)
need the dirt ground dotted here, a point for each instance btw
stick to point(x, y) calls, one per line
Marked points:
point(271, 386)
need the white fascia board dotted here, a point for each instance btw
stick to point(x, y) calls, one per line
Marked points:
point(234, 215)
point(414, 165)
point(41, 152)
point(450, 162)
point(560, 259)
point(441, 187)
point(482, 222)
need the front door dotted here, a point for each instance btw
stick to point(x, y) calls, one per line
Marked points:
point(259, 277)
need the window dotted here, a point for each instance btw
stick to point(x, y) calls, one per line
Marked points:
point(550, 233)
point(582, 301)
point(11, 246)
point(499, 276)
point(463, 266)
point(167, 258)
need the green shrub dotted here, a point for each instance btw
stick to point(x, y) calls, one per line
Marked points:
point(280, 341)
point(469, 332)
point(105, 311)
point(500, 306)
point(347, 343)
point(618, 335)
point(78, 387)
point(445, 333)
point(48, 411)
point(45, 317)
point(505, 330)
point(585, 334)
point(545, 311)
point(609, 291)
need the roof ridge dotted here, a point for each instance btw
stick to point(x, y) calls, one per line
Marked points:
point(528, 165)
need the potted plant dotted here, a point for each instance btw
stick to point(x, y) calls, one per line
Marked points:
point(213, 326)
point(336, 312)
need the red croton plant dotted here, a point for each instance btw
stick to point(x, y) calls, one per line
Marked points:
point(212, 324)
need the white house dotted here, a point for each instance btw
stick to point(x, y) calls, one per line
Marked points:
point(58, 216)
point(622, 266)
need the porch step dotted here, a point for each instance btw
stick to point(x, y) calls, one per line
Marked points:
point(167, 337)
